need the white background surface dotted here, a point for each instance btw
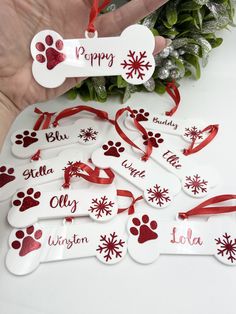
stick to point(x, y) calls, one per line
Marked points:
point(173, 284)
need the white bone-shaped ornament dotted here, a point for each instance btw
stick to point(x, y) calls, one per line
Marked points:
point(32, 204)
point(188, 129)
point(196, 180)
point(129, 55)
point(159, 186)
point(34, 173)
point(149, 237)
point(26, 142)
point(38, 244)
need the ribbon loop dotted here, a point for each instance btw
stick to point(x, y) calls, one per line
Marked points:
point(95, 10)
point(203, 209)
point(74, 110)
point(43, 120)
point(130, 208)
point(91, 176)
point(173, 91)
point(212, 129)
point(139, 127)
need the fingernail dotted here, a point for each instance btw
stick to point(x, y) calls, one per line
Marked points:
point(168, 42)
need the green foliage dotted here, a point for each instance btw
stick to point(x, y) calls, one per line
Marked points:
point(191, 24)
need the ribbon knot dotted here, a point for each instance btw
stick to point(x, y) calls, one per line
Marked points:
point(87, 173)
point(43, 120)
point(148, 150)
point(95, 10)
point(183, 215)
point(131, 208)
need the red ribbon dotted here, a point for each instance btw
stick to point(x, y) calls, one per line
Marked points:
point(95, 10)
point(173, 91)
point(212, 129)
point(74, 110)
point(36, 156)
point(91, 176)
point(129, 194)
point(139, 127)
point(43, 120)
point(202, 208)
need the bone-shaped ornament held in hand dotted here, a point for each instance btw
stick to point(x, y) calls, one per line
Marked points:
point(129, 55)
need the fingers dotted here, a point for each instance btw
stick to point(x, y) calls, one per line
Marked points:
point(160, 44)
point(113, 23)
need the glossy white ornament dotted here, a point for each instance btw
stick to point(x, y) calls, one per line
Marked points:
point(26, 142)
point(158, 186)
point(39, 243)
point(34, 173)
point(150, 237)
point(129, 55)
point(29, 205)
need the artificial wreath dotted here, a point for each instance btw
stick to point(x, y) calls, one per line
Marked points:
point(192, 25)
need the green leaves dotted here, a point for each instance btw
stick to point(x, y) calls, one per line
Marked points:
point(160, 87)
point(189, 6)
point(72, 94)
point(193, 65)
point(171, 13)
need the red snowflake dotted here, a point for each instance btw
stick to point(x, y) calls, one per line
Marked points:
point(110, 247)
point(193, 133)
point(196, 184)
point(136, 65)
point(74, 171)
point(227, 247)
point(88, 134)
point(158, 195)
point(101, 207)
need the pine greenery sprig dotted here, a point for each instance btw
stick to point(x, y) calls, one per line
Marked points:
point(192, 25)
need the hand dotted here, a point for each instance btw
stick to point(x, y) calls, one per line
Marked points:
point(22, 19)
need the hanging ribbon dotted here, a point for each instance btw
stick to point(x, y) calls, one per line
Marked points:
point(36, 156)
point(74, 110)
point(125, 193)
point(212, 129)
point(202, 208)
point(91, 176)
point(43, 120)
point(173, 91)
point(139, 127)
point(95, 10)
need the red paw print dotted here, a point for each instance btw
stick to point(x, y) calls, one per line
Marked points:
point(27, 243)
point(144, 229)
point(155, 139)
point(113, 149)
point(26, 138)
point(28, 200)
point(53, 56)
point(140, 115)
point(6, 175)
